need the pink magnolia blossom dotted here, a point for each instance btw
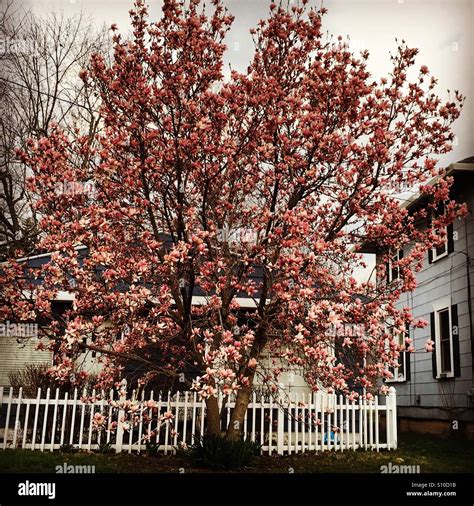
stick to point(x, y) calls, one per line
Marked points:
point(98, 420)
point(168, 415)
point(252, 363)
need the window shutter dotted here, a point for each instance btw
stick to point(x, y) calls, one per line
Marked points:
point(450, 233)
point(433, 338)
point(429, 223)
point(407, 366)
point(400, 256)
point(94, 353)
point(455, 335)
point(430, 256)
point(407, 355)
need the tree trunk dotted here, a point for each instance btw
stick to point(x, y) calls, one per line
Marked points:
point(213, 417)
point(236, 424)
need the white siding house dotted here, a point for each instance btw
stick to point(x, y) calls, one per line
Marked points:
point(16, 353)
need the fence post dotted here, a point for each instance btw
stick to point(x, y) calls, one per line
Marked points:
point(392, 417)
point(7, 421)
point(280, 426)
point(121, 416)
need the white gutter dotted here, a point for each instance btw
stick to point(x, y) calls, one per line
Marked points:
point(197, 300)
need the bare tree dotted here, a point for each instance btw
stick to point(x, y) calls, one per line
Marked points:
point(40, 60)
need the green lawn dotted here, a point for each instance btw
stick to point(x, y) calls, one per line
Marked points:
point(432, 454)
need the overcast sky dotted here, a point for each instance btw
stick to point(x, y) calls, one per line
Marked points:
point(441, 29)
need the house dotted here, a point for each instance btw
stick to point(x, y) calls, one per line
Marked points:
point(18, 346)
point(435, 391)
point(19, 342)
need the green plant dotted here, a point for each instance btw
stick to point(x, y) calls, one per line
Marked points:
point(151, 449)
point(105, 448)
point(67, 448)
point(218, 453)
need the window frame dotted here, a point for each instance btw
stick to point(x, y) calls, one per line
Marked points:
point(399, 255)
point(434, 253)
point(439, 307)
point(403, 356)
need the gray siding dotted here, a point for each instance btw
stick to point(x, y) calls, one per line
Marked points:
point(424, 396)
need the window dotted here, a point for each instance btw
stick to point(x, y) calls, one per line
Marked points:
point(393, 270)
point(440, 251)
point(444, 249)
point(444, 333)
point(122, 335)
point(445, 345)
point(400, 373)
point(89, 340)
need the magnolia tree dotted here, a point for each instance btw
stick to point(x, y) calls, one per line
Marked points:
point(211, 187)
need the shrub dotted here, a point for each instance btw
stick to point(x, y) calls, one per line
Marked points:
point(67, 448)
point(105, 448)
point(215, 452)
point(151, 449)
point(34, 376)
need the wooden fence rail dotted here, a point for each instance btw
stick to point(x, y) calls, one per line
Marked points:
point(287, 424)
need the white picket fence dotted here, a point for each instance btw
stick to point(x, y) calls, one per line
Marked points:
point(289, 424)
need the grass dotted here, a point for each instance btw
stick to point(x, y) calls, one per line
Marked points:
point(433, 455)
